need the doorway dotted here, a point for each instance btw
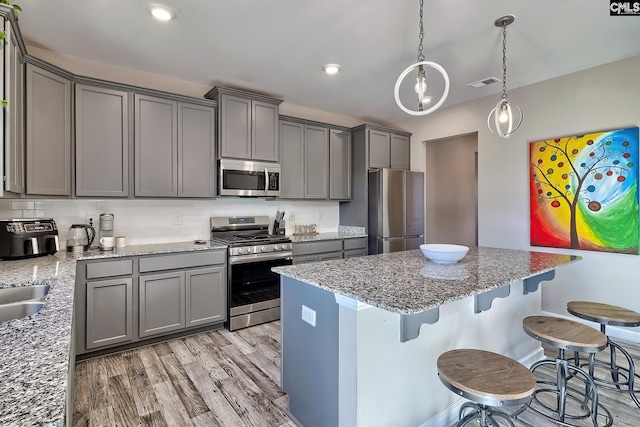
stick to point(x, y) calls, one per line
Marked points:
point(451, 190)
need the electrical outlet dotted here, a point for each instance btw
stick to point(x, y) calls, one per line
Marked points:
point(177, 219)
point(292, 217)
point(309, 315)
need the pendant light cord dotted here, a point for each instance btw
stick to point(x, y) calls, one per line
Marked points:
point(420, 36)
point(504, 60)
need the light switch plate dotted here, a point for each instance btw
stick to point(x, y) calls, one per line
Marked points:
point(309, 315)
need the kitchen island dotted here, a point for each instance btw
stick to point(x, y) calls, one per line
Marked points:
point(360, 336)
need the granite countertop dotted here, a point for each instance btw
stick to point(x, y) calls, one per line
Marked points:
point(328, 236)
point(34, 360)
point(409, 283)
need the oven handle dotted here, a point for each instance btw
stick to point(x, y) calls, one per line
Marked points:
point(245, 259)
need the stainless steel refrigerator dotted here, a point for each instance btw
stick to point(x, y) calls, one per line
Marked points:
point(396, 210)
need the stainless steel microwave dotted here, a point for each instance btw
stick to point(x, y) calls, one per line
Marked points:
point(246, 178)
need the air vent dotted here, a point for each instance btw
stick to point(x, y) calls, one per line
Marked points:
point(484, 82)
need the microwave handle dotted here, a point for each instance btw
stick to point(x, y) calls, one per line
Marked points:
point(266, 181)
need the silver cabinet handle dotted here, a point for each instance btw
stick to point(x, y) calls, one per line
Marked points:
point(266, 181)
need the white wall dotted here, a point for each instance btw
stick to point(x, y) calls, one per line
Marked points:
point(153, 221)
point(602, 98)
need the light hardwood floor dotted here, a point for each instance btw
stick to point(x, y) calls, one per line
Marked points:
point(219, 378)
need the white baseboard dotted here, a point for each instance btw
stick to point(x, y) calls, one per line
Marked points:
point(449, 416)
point(628, 334)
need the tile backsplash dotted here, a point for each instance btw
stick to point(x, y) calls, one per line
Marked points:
point(165, 221)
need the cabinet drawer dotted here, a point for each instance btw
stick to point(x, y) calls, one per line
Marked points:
point(187, 260)
point(317, 247)
point(122, 267)
point(359, 243)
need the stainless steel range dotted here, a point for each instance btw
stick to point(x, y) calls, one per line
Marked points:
point(254, 290)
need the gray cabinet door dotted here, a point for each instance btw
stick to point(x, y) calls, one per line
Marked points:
point(379, 149)
point(400, 149)
point(291, 160)
point(48, 132)
point(109, 312)
point(156, 147)
point(330, 255)
point(196, 151)
point(305, 259)
point(264, 131)
point(102, 142)
point(161, 303)
point(206, 295)
point(235, 126)
point(355, 253)
point(316, 162)
point(340, 165)
point(14, 117)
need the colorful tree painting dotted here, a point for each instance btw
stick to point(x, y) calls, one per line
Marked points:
point(584, 191)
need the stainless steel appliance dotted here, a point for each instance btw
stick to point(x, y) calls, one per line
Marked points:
point(254, 290)
point(106, 225)
point(24, 238)
point(396, 210)
point(245, 178)
point(80, 237)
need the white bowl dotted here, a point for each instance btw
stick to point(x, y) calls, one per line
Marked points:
point(442, 253)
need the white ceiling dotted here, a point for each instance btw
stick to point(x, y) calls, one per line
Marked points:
point(278, 47)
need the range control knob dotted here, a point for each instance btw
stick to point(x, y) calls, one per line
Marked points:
point(242, 251)
point(277, 248)
point(263, 249)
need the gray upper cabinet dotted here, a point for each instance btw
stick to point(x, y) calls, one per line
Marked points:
point(339, 165)
point(247, 125)
point(264, 131)
point(400, 150)
point(14, 150)
point(102, 142)
point(379, 149)
point(316, 162)
point(292, 160)
point(174, 148)
point(156, 146)
point(235, 127)
point(48, 133)
point(196, 151)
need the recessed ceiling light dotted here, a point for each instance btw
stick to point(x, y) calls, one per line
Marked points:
point(162, 13)
point(331, 69)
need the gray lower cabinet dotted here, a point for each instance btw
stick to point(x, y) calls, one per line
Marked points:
point(206, 296)
point(48, 133)
point(162, 303)
point(324, 250)
point(109, 312)
point(102, 141)
point(355, 247)
point(339, 165)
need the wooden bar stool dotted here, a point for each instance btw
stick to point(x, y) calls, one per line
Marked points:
point(571, 404)
point(622, 378)
point(488, 379)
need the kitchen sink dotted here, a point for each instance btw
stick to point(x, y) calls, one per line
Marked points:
point(23, 294)
point(17, 310)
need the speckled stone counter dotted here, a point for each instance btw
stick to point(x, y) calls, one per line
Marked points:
point(35, 350)
point(347, 234)
point(408, 283)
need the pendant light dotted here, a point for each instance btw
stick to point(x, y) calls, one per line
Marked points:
point(502, 115)
point(419, 69)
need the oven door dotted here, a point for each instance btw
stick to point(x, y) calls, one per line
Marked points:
point(245, 178)
point(254, 292)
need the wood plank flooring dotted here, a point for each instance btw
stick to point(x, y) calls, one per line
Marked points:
point(220, 379)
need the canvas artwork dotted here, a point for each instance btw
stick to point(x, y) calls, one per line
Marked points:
point(584, 191)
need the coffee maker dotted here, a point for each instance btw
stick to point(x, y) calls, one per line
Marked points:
point(25, 238)
point(106, 225)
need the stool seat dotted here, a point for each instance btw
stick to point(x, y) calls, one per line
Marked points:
point(486, 377)
point(565, 334)
point(604, 313)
